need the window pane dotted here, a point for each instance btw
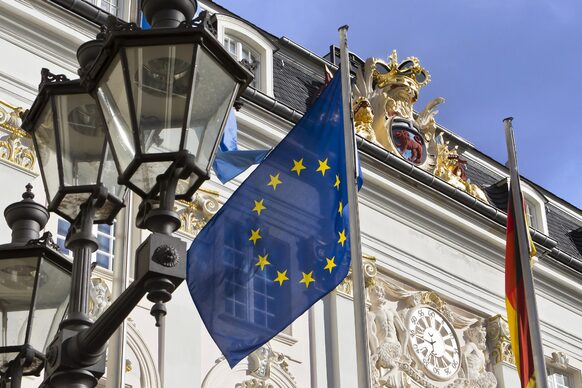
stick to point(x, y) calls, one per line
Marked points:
point(104, 243)
point(104, 228)
point(63, 227)
point(161, 78)
point(103, 260)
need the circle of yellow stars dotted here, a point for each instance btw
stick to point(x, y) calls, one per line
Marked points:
point(259, 207)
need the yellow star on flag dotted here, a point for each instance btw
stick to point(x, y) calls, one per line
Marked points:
point(298, 166)
point(330, 264)
point(337, 182)
point(274, 181)
point(263, 261)
point(323, 167)
point(259, 206)
point(255, 235)
point(307, 278)
point(340, 209)
point(281, 277)
point(342, 237)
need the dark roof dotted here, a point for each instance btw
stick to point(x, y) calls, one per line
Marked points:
point(293, 84)
point(560, 224)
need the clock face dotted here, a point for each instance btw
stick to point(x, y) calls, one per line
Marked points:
point(434, 343)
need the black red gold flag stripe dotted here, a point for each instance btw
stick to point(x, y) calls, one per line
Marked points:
point(515, 301)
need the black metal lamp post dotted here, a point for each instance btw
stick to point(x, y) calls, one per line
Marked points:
point(162, 97)
point(34, 286)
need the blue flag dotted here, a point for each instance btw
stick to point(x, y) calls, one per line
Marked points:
point(230, 161)
point(281, 242)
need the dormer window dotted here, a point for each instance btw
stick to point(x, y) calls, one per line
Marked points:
point(249, 46)
point(245, 54)
point(534, 202)
point(535, 209)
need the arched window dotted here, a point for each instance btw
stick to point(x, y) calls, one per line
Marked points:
point(251, 47)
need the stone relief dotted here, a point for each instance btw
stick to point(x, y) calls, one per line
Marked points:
point(559, 360)
point(15, 144)
point(389, 310)
point(383, 105)
point(264, 368)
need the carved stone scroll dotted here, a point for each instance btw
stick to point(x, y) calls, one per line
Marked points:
point(196, 213)
point(498, 340)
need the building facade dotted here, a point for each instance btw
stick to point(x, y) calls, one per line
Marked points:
point(432, 214)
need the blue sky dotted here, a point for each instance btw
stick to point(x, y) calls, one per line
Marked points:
point(488, 58)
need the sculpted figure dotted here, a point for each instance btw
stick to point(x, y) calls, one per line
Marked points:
point(99, 297)
point(363, 119)
point(473, 359)
point(387, 338)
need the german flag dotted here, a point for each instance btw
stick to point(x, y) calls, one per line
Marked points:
point(515, 301)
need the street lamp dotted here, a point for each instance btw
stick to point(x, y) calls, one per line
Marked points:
point(34, 285)
point(161, 98)
point(165, 95)
point(75, 163)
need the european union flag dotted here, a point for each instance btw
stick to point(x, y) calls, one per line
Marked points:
point(281, 242)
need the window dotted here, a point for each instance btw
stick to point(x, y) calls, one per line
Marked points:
point(532, 218)
point(110, 6)
point(558, 378)
point(105, 240)
point(250, 58)
point(244, 42)
point(244, 297)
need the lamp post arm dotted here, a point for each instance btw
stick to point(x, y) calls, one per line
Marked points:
point(90, 343)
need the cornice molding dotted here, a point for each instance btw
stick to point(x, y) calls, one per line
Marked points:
point(45, 30)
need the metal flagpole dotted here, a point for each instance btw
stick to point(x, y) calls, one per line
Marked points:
point(520, 226)
point(355, 245)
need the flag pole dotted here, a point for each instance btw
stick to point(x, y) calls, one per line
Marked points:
point(522, 233)
point(355, 244)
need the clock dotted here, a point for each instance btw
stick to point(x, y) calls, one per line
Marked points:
point(433, 342)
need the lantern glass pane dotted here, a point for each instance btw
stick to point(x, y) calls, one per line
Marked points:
point(70, 204)
point(51, 304)
point(109, 176)
point(146, 174)
point(112, 97)
point(213, 90)
point(82, 138)
point(185, 184)
point(160, 83)
point(47, 150)
point(17, 277)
